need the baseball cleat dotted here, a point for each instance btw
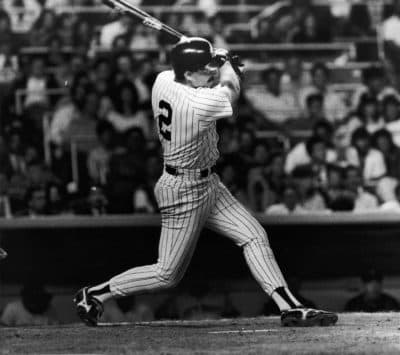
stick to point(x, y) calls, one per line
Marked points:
point(89, 309)
point(307, 317)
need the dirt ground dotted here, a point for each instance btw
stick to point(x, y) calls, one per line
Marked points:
point(354, 334)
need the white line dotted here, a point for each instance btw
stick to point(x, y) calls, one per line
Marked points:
point(241, 331)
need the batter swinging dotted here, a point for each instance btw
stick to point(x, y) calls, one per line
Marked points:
point(202, 88)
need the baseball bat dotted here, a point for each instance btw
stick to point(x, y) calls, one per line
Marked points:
point(147, 19)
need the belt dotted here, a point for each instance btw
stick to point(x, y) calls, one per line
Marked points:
point(176, 171)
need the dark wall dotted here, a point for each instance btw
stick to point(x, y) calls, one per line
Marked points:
point(80, 256)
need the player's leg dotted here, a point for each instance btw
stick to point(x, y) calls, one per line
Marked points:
point(231, 219)
point(183, 213)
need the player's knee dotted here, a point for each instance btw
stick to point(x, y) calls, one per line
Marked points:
point(168, 279)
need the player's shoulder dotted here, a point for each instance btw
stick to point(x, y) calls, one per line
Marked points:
point(166, 76)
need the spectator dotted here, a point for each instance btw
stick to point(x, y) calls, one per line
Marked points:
point(343, 154)
point(69, 110)
point(36, 83)
point(391, 38)
point(5, 204)
point(372, 298)
point(82, 129)
point(290, 202)
point(16, 152)
point(358, 24)
point(391, 115)
point(299, 155)
point(382, 140)
point(94, 204)
point(66, 29)
point(33, 308)
point(266, 183)
point(374, 85)
point(143, 37)
point(126, 171)
point(9, 66)
point(392, 204)
point(308, 31)
point(370, 159)
point(311, 199)
point(111, 30)
point(294, 77)
point(43, 29)
point(363, 200)
point(247, 141)
point(334, 107)
point(337, 196)
point(37, 202)
point(125, 113)
point(274, 106)
point(6, 164)
point(99, 157)
point(6, 32)
point(367, 115)
point(144, 200)
point(313, 114)
point(127, 309)
point(17, 189)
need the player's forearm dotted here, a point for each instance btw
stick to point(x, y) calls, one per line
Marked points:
point(230, 82)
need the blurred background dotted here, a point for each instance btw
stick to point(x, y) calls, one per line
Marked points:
point(314, 153)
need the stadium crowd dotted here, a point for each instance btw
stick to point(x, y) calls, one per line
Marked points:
point(78, 136)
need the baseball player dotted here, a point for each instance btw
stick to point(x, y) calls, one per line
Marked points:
point(203, 87)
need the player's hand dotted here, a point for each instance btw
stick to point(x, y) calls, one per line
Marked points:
point(220, 56)
point(237, 64)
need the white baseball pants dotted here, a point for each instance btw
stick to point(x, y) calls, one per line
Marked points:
point(187, 205)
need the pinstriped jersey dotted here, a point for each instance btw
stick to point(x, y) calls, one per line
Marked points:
point(186, 120)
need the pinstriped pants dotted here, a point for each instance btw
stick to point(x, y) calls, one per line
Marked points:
point(187, 205)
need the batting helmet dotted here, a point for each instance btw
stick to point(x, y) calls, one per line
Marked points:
point(191, 54)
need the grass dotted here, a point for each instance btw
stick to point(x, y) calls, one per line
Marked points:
point(355, 333)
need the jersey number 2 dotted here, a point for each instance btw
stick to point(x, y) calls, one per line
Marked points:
point(165, 120)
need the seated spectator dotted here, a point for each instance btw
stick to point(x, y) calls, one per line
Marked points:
point(374, 85)
point(144, 200)
point(143, 37)
point(247, 141)
point(372, 298)
point(334, 108)
point(99, 157)
point(17, 190)
point(391, 40)
point(308, 31)
point(127, 309)
point(110, 31)
point(36, 83)
point(7, 34)
point(94, 204)
point(382, 140)
point(126, 113)
point(43, 29)
point(311, 199)
point(15, 159)
point(359, 23)
point(37, 202)
point(69, 110)
point(335, 182)
point(367, 115)
point(370, 159)
point(313, 114)
point(5, 204)
point(343, 154)
point(364, 201)
point(290, 202)
point(82, 129)
point(299, 154)
point(126, 171)
point(265, 183)
point(294, 77)
point(391, 115)
point(229, 135)
point(274, 106)
point(9, 66)
point(33, 308)
point(392, 204)
point(66, 28)
point(229, 172)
